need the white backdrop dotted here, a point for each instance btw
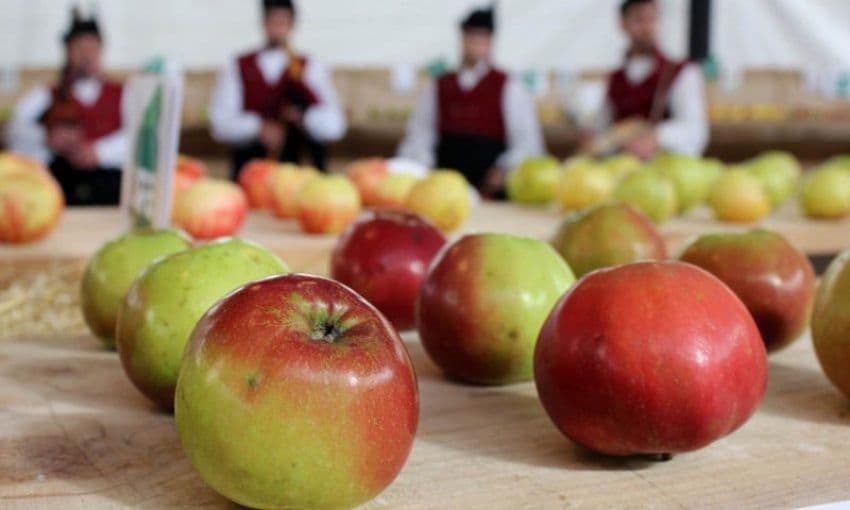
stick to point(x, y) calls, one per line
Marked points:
point(535, 34)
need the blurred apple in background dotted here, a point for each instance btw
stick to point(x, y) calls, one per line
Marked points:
point(112, 270)
point(825, 193)
point(167, 300)
point(688, 174)
point(285, 183)
point(831, 323)
point(841, 162)
point(254, 182)
point(187, 172)
point(12, 163)
point(608, 235)
point(650, 192)
point(393, 191)
point(779, 173)
point(652, 358)
point(482, 305)
point(210, 208)
point(443, 198)
point(585, 183)
point(31, 202)
point(296, 393)
point(327, 204)
point(367, 174)
point(622, 165)
point(534, 181)
point(738, 196)
point(775, 280)
point(384, 256)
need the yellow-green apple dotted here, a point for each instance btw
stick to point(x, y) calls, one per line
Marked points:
point(693, 183)
point(607, 235)
point(295, 392)
point(367, 174)
point(738, 196)
point(384, 256)
point(285, 182)
point(210, 208)
point(534, 181)
point(773, 278)
point(254, 182)
point(31, 204)
point(443, 198)
point(393, 191)
point(650, 192)
point(651, 358)
point(842, 162)
point(12, 163)
point(831, 323)
point(115, 267)
point(584, 184)
point(622, 165)
point(327, 204)
point(483, 302)
point(826, 193)
point(167, 300)
point(779, 173)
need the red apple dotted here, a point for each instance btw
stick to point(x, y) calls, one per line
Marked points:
point(384, 256)
point(31, 203)
point(187, 172)
point(650, 358)
point(254, 181)
point(295, 392)
point(327, 205)
point(774, 279)
point(367, 175)
point(210, 208)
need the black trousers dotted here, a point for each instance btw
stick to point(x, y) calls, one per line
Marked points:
point(81, 187)
point(298, 144)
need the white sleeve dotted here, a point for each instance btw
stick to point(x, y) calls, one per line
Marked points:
point(324, 121)
point(420, 139)
point(24, 133)
point(112, 150)
point(524, 134)
point(687, 131)
point(229, 122)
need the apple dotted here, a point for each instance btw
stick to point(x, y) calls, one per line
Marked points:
point(384, 256)
point(774, 279)
point(393, 191)
point(187, 172)
point(826, 193)
point(210, 208)
point(608, 235)
point(112, 270)
point(254, 182)
point(167, 300)
point(584, 184)
point(651, 358)
point(296, 393)
point(779, 173)
point(31, 204)
point(327, 204)
point(831, 323)
point(534, 181)
point(689, 176)
point(738, 196)
point(842, 162)
point(367, 174)
point(650, 192)
point(443, 198)
point(12, 163)
point(622, 165)
point(483, 302)
point(285, 182)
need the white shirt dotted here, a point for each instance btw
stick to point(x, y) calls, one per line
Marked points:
point(231, 124)
point(687, 129)
point(524, 135)
point(27, 136)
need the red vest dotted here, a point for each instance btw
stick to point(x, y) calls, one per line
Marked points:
point(638, 100)
point(97, 120)
point(266, 99)
point(477, 111)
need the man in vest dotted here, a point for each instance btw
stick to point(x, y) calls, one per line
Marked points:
point(75, 127)
point(667, 96)
point(275, 103)
point(477, 120)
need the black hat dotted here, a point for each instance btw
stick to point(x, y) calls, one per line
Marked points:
point(81, 26)
point(484, 19)
point(628, 4)
point(278, 4)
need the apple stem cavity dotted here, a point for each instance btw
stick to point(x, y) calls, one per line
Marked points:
point(326, 331)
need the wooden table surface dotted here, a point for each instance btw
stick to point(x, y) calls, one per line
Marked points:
point(74, 434)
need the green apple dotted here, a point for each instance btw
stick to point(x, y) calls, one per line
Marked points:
point(779, 173)
point(689, 175)
point(622, 165)
point(831, 323)
point(113, 269)
point(167, 300)
point(651, 192)
point(585, 183)
point(842, 162)
point(534, 181)
point(738, 196)
point(826, 193)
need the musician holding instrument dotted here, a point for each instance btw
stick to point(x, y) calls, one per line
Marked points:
point(276, 103)
point(653, 103)
point(75, 127)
